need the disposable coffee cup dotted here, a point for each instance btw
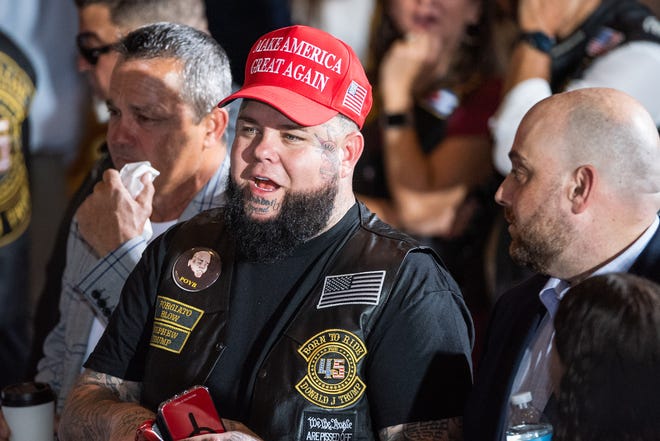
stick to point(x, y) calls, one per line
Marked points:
point(29, 409)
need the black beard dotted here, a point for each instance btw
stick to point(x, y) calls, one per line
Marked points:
point(302, 216)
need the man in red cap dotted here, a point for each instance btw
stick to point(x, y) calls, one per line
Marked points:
point(319, 322)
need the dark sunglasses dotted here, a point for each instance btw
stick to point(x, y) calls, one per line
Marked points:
point(92, 54)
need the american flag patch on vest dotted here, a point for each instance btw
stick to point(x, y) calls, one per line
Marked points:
point(605, 40)
point(348, 289)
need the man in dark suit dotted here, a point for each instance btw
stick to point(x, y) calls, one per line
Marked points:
point(581, 199)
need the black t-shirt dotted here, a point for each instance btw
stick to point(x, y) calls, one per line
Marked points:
point(260, 295)
point(418, 355)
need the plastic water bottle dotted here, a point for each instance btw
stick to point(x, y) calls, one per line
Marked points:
point(527, 423)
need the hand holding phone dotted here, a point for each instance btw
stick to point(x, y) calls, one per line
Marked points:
point(185, 415)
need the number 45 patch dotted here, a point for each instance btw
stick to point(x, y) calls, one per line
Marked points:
point(332, 379)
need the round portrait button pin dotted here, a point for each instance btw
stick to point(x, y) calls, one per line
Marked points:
point(196, 269)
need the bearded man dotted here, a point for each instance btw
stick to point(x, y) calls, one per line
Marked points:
point(581, 199)
point(322, 322)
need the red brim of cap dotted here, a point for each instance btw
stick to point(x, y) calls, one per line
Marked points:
point(294, 106)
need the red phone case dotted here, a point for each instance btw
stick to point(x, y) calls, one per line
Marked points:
point(187, 414)
point(148, 431)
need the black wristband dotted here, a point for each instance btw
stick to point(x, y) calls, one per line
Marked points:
point(538, 40)
point(396, 120)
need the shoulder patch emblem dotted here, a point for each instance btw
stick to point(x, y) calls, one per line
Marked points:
point(352, 289)
point(196, 269)
point(332, 380)
point(604, 41)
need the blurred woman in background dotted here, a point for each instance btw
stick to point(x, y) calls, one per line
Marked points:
point(427, 165)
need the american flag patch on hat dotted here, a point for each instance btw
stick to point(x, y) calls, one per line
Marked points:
point(354, 98)
point(347, 289)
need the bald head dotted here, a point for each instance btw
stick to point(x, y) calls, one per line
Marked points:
point(584, 184)
point(607, 129)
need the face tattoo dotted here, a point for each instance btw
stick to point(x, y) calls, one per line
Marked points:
point(301, 217)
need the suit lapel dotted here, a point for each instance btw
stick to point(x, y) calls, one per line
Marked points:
point(648, 262)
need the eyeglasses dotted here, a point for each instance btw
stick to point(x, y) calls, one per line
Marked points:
point(92, 54)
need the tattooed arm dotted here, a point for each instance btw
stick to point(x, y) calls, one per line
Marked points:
point(442, 430)
point(102, 407)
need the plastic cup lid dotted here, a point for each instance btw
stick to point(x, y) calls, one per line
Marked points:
point(26, 394)
point(521, 398)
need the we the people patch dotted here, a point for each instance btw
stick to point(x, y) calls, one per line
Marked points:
point(332, 379)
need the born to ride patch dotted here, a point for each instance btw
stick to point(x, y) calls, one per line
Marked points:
point(332, 380)
point(173, 323)
point(196, 269)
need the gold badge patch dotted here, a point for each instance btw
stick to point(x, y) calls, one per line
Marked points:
point(332, 357)
point(16, 91)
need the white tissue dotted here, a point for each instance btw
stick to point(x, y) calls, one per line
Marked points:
point(130, 175)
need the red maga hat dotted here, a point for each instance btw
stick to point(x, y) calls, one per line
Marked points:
point(308, 75)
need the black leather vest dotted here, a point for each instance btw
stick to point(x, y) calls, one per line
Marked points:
point(612, 24)
point(310, 383)
point(188, 330)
